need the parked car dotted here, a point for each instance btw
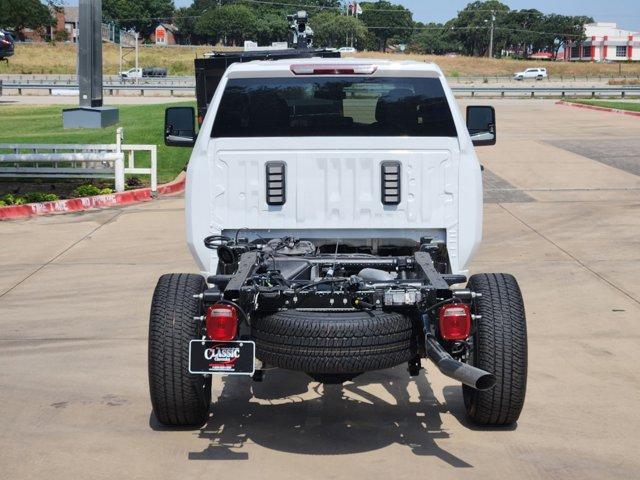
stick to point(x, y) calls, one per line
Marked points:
point(535, 73)
point(347, 50)
point(332, 207)
point(6, 45)
point(144, 72)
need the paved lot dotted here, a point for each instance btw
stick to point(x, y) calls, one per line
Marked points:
point(74, 298)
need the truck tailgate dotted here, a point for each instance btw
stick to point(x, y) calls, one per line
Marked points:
point(335, 189)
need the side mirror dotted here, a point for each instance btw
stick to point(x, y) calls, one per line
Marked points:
point(180, 127)
point(481, 123)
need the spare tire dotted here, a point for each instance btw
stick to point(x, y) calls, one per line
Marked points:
point(334, 342)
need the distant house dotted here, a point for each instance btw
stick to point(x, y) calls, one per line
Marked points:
point(605, 42)
point(166, 34)
point(66, 18)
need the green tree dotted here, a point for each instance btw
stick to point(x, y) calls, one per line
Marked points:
point(60, 36)
point(20, 14)
point(471, 28)
point(522, 31)
point(141, 15)
point(271, 27)
point(563, 28)
point(185, 19)
point(232, 24)
point(271, 19)
point(386, 20)
point(186, 23)
point(334, 30)
point(432, 38)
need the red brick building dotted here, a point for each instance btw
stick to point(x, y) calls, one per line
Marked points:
point(165, 34)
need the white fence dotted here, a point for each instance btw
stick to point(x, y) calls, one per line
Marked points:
point(27, 160)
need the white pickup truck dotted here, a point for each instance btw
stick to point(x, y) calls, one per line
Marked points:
point(143, 72)
point(333, 207)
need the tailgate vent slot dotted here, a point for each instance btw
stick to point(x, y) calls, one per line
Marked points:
point(276, 183)
point(390, 187)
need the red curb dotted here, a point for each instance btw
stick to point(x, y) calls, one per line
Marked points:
point(600, 109)
point(12, 212)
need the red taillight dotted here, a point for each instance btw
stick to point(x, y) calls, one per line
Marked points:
point(326, 69)
point(455, 321)
point(221, 322)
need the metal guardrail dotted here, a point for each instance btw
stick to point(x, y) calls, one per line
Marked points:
point(482, 90)
point(110, 88)
point(609, 91)
point(114, 80)
point(189, 79)
point(77, 161)
point(550, 78)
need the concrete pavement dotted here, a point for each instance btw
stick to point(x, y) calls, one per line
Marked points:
point(74, 299)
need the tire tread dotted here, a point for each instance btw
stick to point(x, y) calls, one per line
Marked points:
point(178, 397)
point(501, 348)
point(336, 342)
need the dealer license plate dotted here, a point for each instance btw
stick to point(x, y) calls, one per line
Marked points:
point(229, 358)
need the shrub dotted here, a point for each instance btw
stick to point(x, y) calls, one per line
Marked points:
point(106, 191)
point(133, 182)
point(34, 197)
point(31, 197)
point(85, 191)
point(60, 36)
point(2, 204)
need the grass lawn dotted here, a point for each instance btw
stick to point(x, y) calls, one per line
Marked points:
point(142, 124)
point(631, 106)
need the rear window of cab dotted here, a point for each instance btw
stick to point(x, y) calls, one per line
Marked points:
point(333, 106)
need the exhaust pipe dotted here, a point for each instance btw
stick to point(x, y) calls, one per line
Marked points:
point(468, 375)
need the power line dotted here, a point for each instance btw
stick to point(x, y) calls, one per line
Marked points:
point(297, 5)
point(319, 7)
point(520, 30)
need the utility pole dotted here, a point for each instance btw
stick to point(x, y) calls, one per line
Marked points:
point(493, 20)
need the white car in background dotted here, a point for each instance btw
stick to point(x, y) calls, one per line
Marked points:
point(347, 50)
point(536, 73)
